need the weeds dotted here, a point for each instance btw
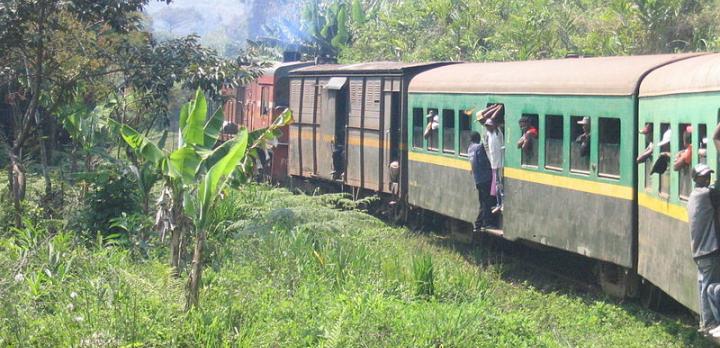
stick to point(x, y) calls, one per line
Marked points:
point(290, 271)
point(423, 272)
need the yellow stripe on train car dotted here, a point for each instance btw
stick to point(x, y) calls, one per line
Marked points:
point(598, 188)
point(664, 207)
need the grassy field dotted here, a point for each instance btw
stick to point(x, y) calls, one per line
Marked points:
point(292, 271)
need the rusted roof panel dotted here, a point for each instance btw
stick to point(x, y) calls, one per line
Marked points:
point(695, 75)
point(570, 76)
point(284, 66)
point(369, 67)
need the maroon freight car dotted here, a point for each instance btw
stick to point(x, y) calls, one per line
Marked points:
point(256, 104)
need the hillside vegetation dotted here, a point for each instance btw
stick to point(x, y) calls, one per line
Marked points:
point(293, 270)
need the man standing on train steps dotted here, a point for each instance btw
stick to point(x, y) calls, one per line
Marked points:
point(701, 207)
point(482, 174)
point(495, 146)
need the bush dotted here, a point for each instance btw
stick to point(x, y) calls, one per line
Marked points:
point(111, 195)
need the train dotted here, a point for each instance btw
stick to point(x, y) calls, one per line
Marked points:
point(361, 126)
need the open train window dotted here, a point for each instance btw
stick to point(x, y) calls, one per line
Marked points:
point(609, 147)
point(465, 131)
point(433, 123)
point(448, 130)
point(529, 156)
point(418, 126)
point(683, 160)
point(553, 142)
point(702, 141)
point(664, 148)
point(646, 155)
point(579, 153)
point(265, 101)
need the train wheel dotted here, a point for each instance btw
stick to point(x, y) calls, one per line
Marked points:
point(650, 296)
point(617, 281)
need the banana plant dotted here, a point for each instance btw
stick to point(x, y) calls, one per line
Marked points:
point(197, 173)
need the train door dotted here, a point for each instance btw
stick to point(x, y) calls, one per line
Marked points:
point(341, 121)
point(353, 145)
point(391, 142)
point(365, 132)
point(331, 139)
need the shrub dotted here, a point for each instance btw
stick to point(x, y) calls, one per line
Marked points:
point(111, 193)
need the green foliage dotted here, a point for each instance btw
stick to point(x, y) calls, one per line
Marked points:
point(111, 194)
point(471, 30)
point(290, 271)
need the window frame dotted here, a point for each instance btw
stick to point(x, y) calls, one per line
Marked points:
point(422, 128)
point(534, 120)
point(441, 128)
point(663, 126)
point(600, 120)
point(553, 167)
point(264, 100)
point(427, 141)
point(684, 196)
point(461, 114)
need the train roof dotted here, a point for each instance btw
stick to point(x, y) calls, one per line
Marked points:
point(615, 76)
point(284, 67)
point(365, 68)
point(694, 75)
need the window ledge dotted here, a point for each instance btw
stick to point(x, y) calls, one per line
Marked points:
point(609, 176)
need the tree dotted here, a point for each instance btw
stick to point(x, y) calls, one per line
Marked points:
point(197, 173)
point(56, 52)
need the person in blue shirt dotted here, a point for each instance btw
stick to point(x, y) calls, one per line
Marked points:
point(482, 174)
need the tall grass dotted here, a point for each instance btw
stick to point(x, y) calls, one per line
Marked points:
point(423, 272)
point(293, 271)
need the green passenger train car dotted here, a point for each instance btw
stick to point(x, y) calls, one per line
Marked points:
point(683, 100)
point(554, 195)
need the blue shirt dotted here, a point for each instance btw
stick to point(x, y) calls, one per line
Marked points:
point(482, 173)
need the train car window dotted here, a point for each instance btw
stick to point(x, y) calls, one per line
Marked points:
point(265, 101)
point(529, 156)
point(646, 156)
point(579, 156)
point(418, 126)
point(465, 131)
point(683, 160)
point(448, 129)
point(664, 148)
point(609, 147)
point(433, 121)
point(702, 141)
point(553, 142)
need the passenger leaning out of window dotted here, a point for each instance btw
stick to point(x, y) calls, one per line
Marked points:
point(495, 146)
point(529, 135)
point(433, 123)
point(584, 138)
point(647, 131)
point(684, 157)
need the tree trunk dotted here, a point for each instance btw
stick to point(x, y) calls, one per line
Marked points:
point(47, 200)
point(17, 185)
point(175, 250)
point(193, 288)
point(176, 234)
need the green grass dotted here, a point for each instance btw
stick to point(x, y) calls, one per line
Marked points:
point(292, 271)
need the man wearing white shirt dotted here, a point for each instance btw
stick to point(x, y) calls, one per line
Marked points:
point(495, 143)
